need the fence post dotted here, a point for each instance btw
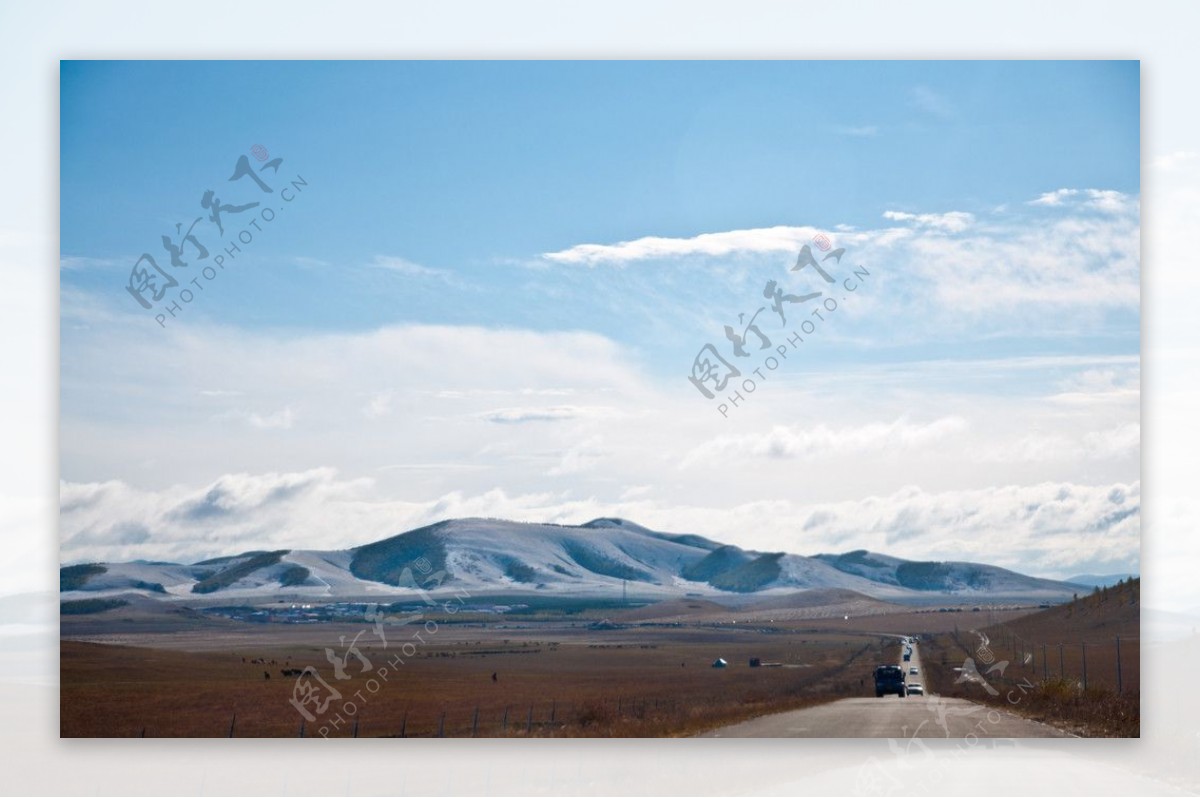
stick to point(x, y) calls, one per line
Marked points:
point(529, 720)
point(553, 705)
point(1119, 665)
point(302, 728)
point(1083, 646)
point(504, 723)
point(232, 723)
point(442, 724)
point(404, 725)
point(475, 721)
point(356, 728)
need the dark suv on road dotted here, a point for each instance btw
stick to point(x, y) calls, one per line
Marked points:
point(889, 679)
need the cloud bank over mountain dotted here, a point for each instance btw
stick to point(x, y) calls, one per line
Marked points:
point(1050, 529)
point(980, 397)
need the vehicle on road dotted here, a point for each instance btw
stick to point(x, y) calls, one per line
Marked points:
point(913, 671)
point(915, 688)
point(907, 657)
point(889, 679)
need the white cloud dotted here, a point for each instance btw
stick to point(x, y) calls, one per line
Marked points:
point(1128, 395)
point(951, 273)
point(400, 402)
point(522, 415)
point(951, 221)
point(821, 441)
point(1049, 528)
point(280, 419)
point(1122, 441)
point(1048, 446)
point(859, 131)
point(1105, 200)
point(1054, 198)
point(581, 457)
point(755, 240)
point(406, 267)
point(1087, 262)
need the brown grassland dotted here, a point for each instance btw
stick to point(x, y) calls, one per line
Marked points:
point(135, 671)
point(549, 682)
point(1063, 664)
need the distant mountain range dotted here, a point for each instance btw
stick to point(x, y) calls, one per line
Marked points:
point(1100, 580)
point(604, 557)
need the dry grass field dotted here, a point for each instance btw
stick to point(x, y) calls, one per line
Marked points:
point(551, 680)
point(1063, 666)
point(559, 670)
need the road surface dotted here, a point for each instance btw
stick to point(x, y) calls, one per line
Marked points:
point(892, 716)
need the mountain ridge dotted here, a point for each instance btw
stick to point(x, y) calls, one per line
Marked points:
point(600, 557)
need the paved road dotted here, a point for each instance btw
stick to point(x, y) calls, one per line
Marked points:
point(891, 716)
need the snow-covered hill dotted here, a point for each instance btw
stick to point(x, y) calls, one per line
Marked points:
point(602, 557)
point(966, 578)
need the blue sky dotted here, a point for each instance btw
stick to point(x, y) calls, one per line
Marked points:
point(466, 167)
point(488, 296)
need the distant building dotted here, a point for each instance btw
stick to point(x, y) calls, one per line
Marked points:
point(719, 663)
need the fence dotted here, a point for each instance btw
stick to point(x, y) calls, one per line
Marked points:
point(1112, 663)
point(511, 720)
